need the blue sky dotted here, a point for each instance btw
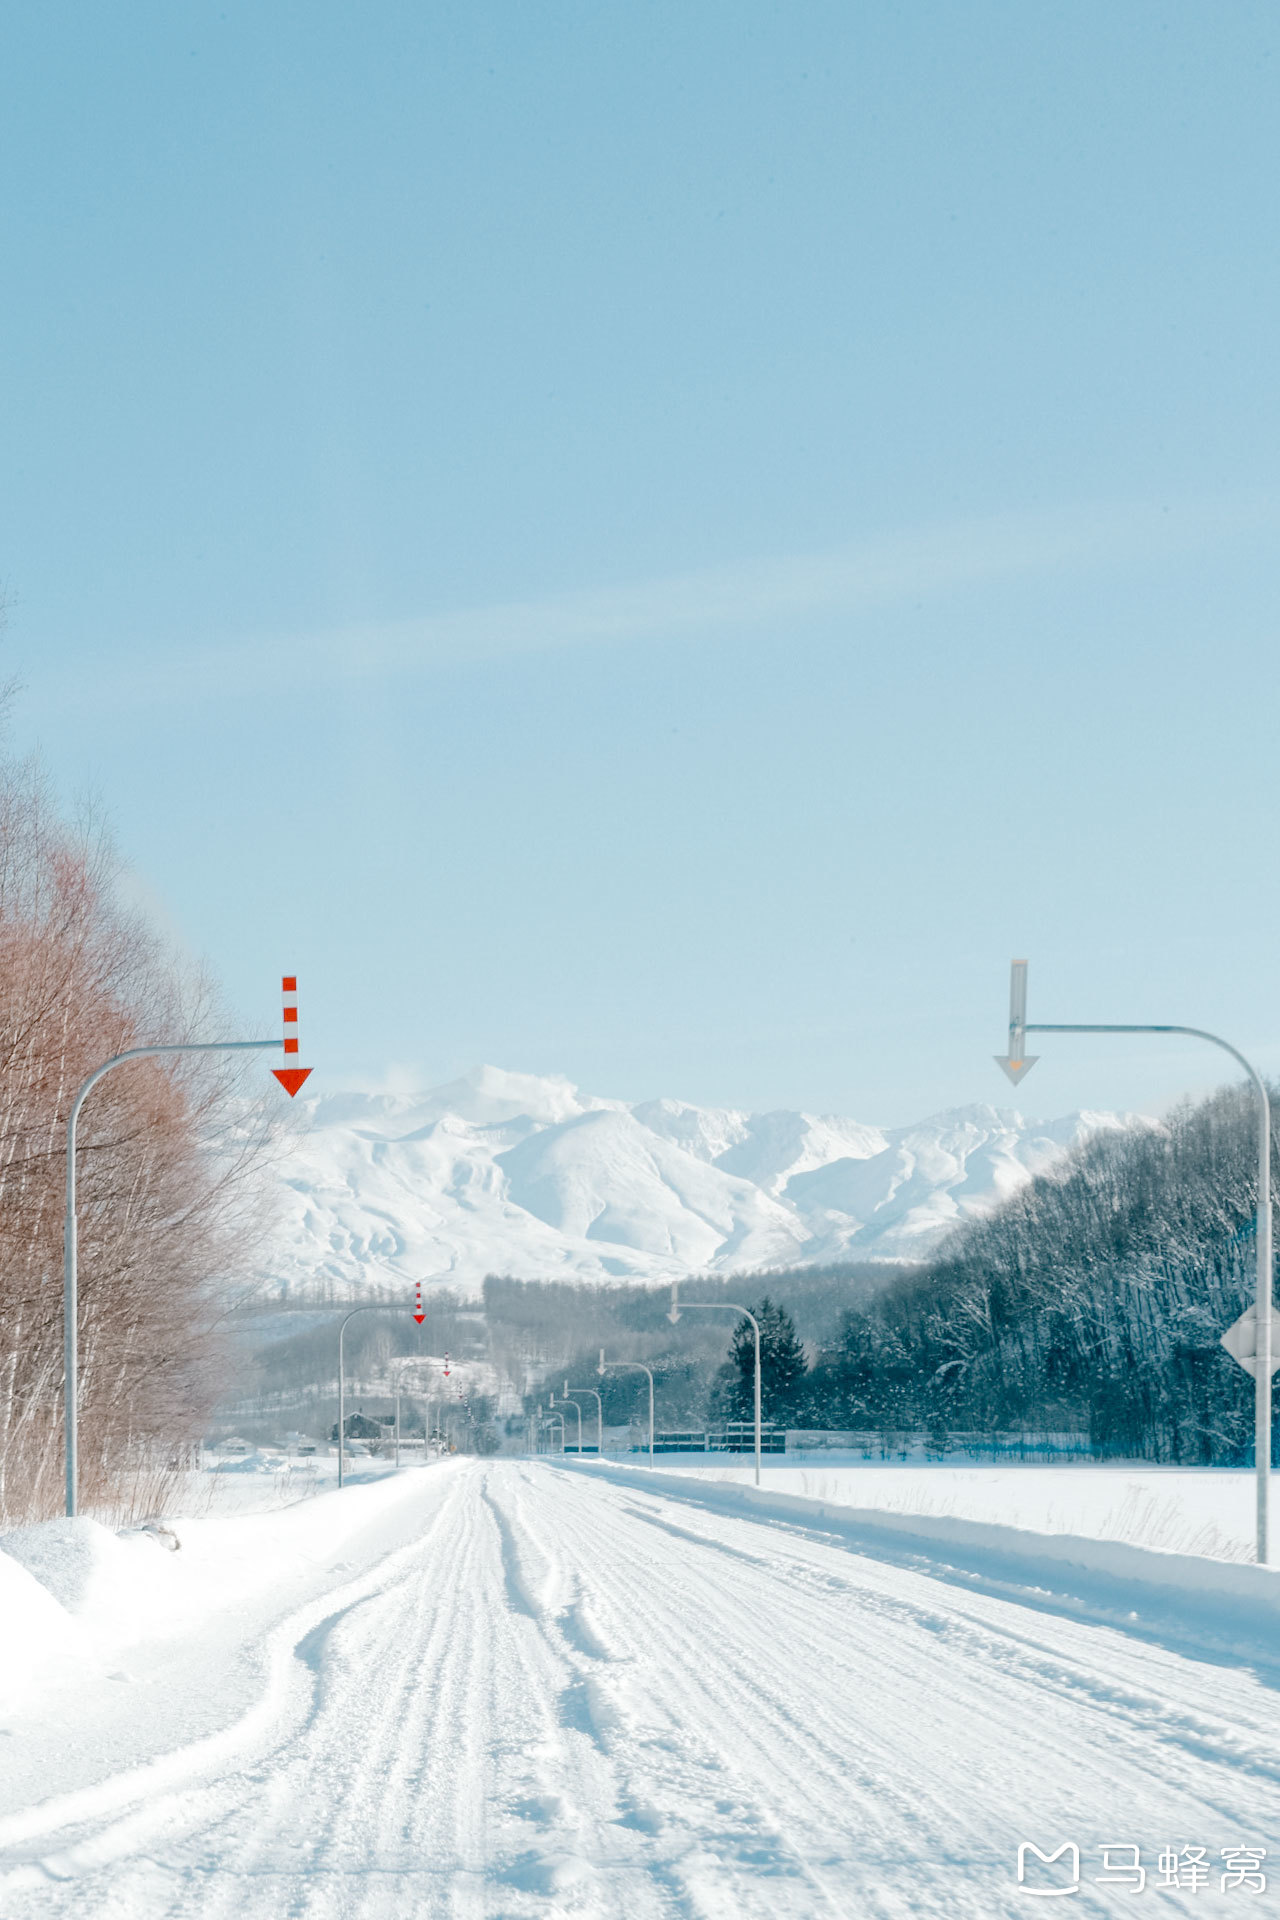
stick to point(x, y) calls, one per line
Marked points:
point(663, 543)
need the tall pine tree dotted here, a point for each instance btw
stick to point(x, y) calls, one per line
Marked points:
point(782, 1368)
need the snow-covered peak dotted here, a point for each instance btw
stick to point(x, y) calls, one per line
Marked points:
point(776, 1146)
point(706, 1132)
point(521, 1173)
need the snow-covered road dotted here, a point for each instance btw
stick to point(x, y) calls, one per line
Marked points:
point(567, 1693)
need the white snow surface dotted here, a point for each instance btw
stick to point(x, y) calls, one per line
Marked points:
point(510, 1689)
point(1209, 1511)
point(525, 1175)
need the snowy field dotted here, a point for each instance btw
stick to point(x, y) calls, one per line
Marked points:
point(1204, 1510)
point(263, 1481)
point(515, 1688)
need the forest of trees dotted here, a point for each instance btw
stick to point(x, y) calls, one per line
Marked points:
point(1089, 1305)
point(167, 1165)
point(1092, 1303)
point(541, 1332)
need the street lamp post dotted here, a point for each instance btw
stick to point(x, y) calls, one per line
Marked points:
point(1018, 1062)
point(631, 1366)
point(599, 1414)
point(373, 1307)
point(413, 1360)
point(398, 1379)
point(723, 1306)
point(396, 1460)
point(70, 1276)
point(573, 1408)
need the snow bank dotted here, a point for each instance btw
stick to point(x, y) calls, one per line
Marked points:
point(37, 1632)
point(75, 1585)
point(1215, 1602)
point(1198, 1510)
point(73, 1590)
point(86, 1568)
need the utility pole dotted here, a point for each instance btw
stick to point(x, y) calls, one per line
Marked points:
point(722, 1306)
point(1259, 1361)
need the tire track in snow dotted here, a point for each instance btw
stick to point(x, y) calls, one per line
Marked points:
point(120, 1810)
point(1016, 1645)
point(622, 1720)
point(437, 1771)
point(369, 1810)
point(948, 1719)
point(749, 1767)
point(573, 1697)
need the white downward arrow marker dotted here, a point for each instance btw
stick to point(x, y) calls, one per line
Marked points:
point(1017, 1061)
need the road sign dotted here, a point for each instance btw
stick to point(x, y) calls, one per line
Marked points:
point(1017, 1061)
point(290, 1078)
point(1241, 1342)
point(418, 1314)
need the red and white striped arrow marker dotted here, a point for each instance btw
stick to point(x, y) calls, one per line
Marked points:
point(418, 1314)
point(290, 1078)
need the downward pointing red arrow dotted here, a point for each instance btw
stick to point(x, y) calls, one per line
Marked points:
point(418, 1314)
point(291, 1078)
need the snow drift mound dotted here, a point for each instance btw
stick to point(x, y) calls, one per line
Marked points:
point(83, 1566)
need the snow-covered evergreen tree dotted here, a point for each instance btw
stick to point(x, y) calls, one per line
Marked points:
point(783, 1368)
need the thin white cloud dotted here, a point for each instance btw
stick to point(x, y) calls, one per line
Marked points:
point(850, 581)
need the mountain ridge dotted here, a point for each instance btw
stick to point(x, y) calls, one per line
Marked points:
point(525, 1174)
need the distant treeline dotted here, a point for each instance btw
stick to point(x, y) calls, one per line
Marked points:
point(544, 1332)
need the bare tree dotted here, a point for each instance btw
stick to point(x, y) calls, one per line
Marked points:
point(168, 1162)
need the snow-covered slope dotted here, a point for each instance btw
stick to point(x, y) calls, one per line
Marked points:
point(512, 1173)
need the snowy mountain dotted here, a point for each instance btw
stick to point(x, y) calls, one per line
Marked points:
point(522, 1174)
point(512, 1173)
